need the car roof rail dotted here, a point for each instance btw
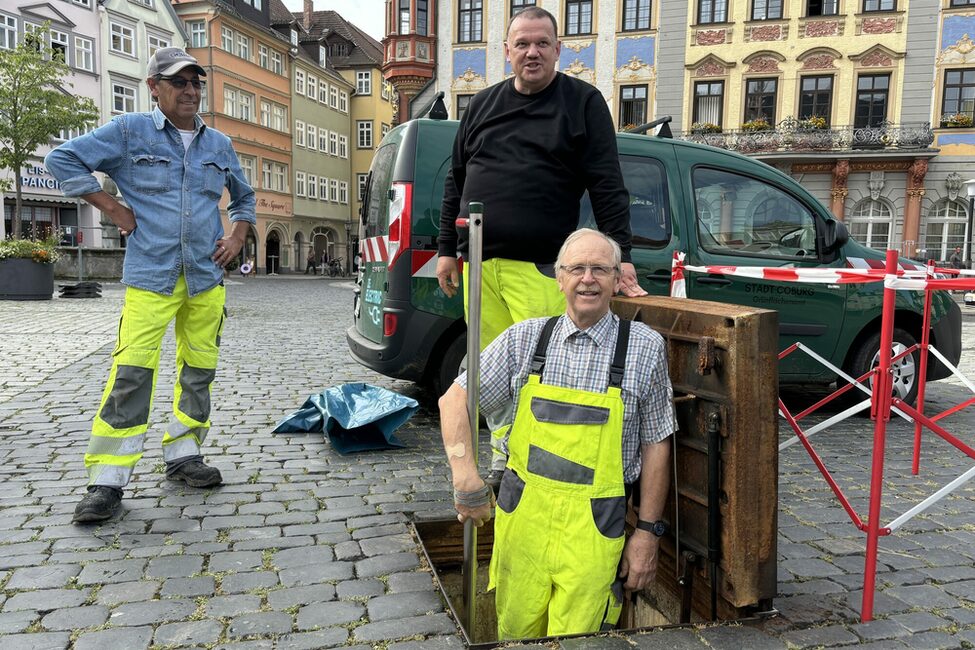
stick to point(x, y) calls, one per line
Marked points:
point(662, 122)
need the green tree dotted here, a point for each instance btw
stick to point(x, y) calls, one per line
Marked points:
point(35, 105)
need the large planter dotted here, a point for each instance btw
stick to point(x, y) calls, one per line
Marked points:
point(22, 279)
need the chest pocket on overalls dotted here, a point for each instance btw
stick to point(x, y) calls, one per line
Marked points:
point(150, 174)
point(571, 455)
point(214, 177)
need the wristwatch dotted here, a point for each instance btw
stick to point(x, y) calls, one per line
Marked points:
point(658, 528)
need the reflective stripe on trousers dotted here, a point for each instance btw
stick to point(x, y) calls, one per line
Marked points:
point(558, 533)
point(119, 430)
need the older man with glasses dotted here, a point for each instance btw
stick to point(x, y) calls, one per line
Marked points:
point(171, 170)
point(593, 413)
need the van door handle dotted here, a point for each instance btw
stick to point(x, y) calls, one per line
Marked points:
point(660, 276)
point(714, 280)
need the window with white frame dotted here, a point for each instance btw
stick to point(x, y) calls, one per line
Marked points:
point(145, 3)
point(300, 189)
point(123, 97)
point(279, 177)
point(344, 101)
point(333, 190)
point(383, 130)
point(156, 43)
point(343, 146)
point(333, 97)
point(204, 99)
point(294, 36)
point(312, 87)
point(385, 91)
point(323, 92)
point(323, 140)
point(363, 130)
point(263, 56)
point(363, 82)
point(247, 164)
point(83, 3)
point(227, 39)
point(257, 4)
point(360, 180)
point(333, 143)
point(230, 100)
point(299, 133)
point(870, 223)
point(312, 187)
point(277, 67)
point(84, 53)
point(470, 20)
point(323, 188)
point(266, 174)
point(299, 82)
point(246, 106)
point(59, 45)
point(945, 228)
point(68, 134)
point(197, 30)
point(322, 55)
point(122, 39)
point(266, 114)
point(344, 192)
point(243, 46)
point(34, 35)
point(279, 117)
point(312, 137)
point(8, 32)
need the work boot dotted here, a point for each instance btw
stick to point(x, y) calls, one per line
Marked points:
point(99, 504)
point(196, 474)
point(494, 480)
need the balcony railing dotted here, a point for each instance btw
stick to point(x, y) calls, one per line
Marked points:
point(790, 136)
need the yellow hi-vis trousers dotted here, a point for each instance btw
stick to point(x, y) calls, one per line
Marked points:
point(511, 291)
point(119, 431)
point(559, 526)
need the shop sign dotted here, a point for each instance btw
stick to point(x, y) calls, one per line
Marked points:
point(38, 178)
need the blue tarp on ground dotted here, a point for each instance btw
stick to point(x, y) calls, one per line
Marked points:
point(355, 417)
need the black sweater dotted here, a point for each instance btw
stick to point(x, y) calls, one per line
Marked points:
point(529, 158)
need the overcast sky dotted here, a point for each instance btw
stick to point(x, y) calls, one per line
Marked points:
point(367, 15)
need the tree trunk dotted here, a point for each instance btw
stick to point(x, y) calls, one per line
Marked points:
point(15, 217)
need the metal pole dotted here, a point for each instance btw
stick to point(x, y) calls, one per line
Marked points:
point(473, 271)
point(968, 233)
point(881, 399)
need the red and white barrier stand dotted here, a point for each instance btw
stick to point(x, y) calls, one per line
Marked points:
point(881, 402)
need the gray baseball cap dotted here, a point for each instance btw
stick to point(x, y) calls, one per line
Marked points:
point(167, 61)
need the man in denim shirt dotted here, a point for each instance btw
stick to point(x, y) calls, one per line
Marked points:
point(171, 170)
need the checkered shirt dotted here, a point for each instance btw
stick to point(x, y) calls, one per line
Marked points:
point(581, 359)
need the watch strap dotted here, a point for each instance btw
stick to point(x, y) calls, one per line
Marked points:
point(658, 528)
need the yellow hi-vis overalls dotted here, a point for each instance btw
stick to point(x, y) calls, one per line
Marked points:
point(119, 431)
point(511, 291)
point(558, 532)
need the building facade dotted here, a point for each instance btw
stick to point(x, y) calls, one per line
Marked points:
point(74, 32)
point(868, 102)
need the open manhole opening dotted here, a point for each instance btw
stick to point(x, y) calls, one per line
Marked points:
point(718, 563)
point(659, 607)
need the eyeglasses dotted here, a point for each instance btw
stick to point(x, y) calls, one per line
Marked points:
point(179, 83)
point(598, 272)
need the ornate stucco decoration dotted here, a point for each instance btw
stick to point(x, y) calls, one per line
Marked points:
point(877, 56)
point(710, 66)
point(469, 80)
point(766, 33)
point(876, 184)
point(878, 26)
point(963, 51)
point(763, 64)
point(579, 70)
point(821, 29)
point(634, 70)
point(711, 36)
point(953, 184)
point(819, 62)
point(576, 46)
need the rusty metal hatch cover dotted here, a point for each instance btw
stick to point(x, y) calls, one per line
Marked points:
point(724, 370)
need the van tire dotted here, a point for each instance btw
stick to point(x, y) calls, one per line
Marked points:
point(451, 364)
point(905, 371)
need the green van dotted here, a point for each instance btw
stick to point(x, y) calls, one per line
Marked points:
point(717, 207)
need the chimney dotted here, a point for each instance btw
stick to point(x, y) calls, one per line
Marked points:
point(309, 8)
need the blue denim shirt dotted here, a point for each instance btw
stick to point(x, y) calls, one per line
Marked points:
point(174, 193)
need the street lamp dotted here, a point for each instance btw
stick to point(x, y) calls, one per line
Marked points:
point(348, 247)
point(970, 190)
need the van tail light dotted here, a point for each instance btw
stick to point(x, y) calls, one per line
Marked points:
point(400, 220)
point(390, 321)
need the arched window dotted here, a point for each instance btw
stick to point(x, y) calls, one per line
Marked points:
point(870, 223)
point(323, 239)
point(944, 229)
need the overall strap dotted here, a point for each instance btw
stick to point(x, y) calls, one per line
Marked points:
point(619, 357)
point(538, 359)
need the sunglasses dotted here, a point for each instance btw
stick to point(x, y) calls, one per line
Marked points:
point(179, 83)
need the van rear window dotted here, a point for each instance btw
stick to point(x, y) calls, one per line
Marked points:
point(376, 201)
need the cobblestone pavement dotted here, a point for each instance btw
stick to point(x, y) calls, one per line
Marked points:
point(302, 548)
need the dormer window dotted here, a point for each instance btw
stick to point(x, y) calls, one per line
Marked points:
point(294, 36)
point(322, 55)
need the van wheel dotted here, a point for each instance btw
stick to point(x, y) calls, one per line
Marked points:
point(451, 365)
point(904, 371)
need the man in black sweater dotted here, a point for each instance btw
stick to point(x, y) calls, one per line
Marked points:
point(528, 148)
